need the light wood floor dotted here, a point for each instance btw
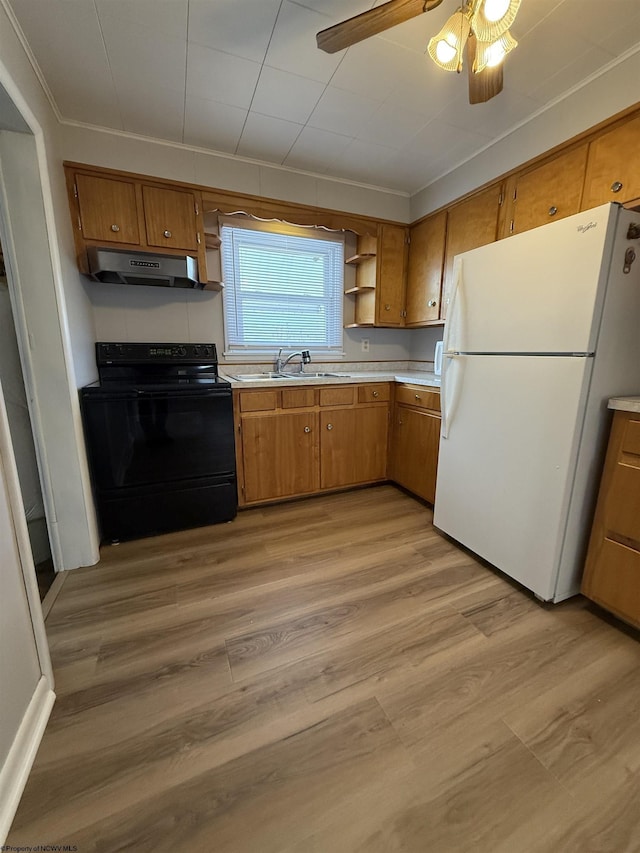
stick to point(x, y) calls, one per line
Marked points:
point(331, 675)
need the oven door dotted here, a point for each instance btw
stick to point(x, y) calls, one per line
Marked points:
point(145, 437)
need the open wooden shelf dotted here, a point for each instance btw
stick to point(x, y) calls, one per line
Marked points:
point(360, 258)
point(212, 241)
point(359, 289)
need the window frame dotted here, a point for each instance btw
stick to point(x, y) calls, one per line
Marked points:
point(249, 352)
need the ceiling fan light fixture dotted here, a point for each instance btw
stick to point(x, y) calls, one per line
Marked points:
point(490, 54)
point(491, 18)
point(447, 47)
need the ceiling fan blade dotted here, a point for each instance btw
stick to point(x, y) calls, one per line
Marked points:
point(371, 23)
point(485, 85)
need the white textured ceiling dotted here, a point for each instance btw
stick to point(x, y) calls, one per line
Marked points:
point(245, 77)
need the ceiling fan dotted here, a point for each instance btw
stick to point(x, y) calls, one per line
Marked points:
point(478, 27)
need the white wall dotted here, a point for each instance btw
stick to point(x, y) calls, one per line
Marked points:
point(594, 102)
point(26, 679)
point(423, 343)
point(181, 163)
point(155, 314)
point(54, 308)
point(163, 314)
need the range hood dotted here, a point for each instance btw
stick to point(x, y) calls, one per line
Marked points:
point(117, 266)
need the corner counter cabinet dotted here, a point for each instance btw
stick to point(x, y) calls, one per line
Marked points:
point(612, 571)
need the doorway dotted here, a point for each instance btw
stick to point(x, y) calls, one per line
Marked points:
point(20, 426)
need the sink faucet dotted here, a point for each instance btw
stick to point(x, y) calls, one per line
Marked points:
point(281, 363)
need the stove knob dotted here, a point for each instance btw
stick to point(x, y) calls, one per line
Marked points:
point(180, 351)
point(196, 350)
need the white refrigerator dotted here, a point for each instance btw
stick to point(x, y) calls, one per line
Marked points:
point(542, 329)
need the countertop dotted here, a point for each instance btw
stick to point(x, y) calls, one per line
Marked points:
point(415, 377)
point(625, 404)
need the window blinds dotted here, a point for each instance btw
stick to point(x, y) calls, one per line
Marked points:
point(281, 291)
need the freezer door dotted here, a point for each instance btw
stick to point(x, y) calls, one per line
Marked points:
point(536, 292)
point(506, 469)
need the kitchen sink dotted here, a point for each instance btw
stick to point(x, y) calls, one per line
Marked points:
point(306, 375)
point(256, 377)
point(267, 377)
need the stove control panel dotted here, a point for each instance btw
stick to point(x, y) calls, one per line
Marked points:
point(114, 353)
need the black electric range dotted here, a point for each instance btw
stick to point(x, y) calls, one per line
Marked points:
point(160, 439)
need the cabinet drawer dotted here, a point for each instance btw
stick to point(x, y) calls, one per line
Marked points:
point(631, 440)
point(422, 398)
point(258, 401)
point(297, 398)
point(373, 393)
point(615, 581)
point(621, 516)
point(344, 395)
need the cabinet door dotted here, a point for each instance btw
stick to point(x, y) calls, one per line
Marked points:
point(279, 455)
point(470, 224)
point(391, 275)
point(550, 192)
point(424, 277)
point(612, 571)
point(414, 456)
point(612, 162)
point(170, 218)
point(353, 446)
point(108, 210)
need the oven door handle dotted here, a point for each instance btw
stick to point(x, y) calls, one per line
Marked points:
point(184, 392)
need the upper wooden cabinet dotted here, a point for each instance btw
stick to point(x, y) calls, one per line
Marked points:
point(471, 223)
point(381, 262)
point(613, 170)
point(170, 218)
point(424, 276)
point(392, 271)
point(107, 209)
point(549, 192)
point(114, 209)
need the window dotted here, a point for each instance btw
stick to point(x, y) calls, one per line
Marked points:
point(283, 288)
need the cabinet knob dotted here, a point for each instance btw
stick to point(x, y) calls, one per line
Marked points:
point(167, 233)
point(417, 396)
point(115, 227)
point(329, 426)
point(387, 307)
point(432, 303)
point(375, 394)
point(616, 186)
point(307, 429)
point(553, 210)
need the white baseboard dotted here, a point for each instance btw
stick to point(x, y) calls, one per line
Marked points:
point(15, 771)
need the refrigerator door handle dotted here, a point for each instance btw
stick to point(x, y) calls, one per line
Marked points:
point(454, 313)
point(444, 400)
point(451, 326)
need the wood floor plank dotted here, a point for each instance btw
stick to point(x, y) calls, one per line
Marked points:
point(331, 674)
point(297, 781)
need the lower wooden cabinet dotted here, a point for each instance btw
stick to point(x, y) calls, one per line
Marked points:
point(279, 455)
point(416, 439)
point(612, 571)
point(353, 446)
point(297, 441)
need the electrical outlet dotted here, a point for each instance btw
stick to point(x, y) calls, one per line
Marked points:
point(365, 344)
